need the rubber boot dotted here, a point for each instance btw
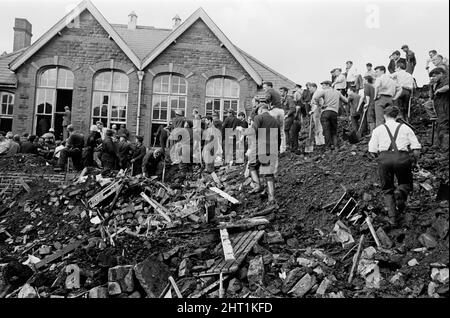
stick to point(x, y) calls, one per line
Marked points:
point(255, 178)
point(389, 203)
point(400, 200)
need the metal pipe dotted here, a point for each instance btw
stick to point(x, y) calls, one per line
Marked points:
point(140, 75)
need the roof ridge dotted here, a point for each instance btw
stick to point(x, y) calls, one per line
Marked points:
point(15, 52)
point(264, 65)
point(148, 27)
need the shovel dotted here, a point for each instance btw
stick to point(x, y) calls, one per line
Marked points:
point(309, 147)
point(355, 136)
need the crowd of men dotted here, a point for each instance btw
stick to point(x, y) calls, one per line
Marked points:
point(376, 103)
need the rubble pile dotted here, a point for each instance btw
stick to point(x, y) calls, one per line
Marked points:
point(203, 236)
point(27, 163)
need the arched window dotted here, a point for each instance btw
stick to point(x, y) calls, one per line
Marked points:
point(6, 111)
point(169, 94)
point(110, 98)
point(222, 93)
point(53, 93)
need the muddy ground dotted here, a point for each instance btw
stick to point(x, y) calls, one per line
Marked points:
point(305, 185)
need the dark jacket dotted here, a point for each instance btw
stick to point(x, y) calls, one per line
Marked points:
point(273, 97)
point(152, 166)
point(75, 141)
point(393, 64)
point(109, 154)
point(229, 122)
point(29, 147)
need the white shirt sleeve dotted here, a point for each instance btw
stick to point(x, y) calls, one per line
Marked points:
point(413, 141)
point(373, 142)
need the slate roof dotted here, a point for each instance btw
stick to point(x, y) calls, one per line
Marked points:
point(143, 39)
point(7, 77)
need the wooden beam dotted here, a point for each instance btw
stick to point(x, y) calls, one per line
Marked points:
point(69, 248)
point(158, 208)
point(226, 245)
point(224, 195)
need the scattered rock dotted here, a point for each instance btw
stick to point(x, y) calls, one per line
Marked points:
point(136, 294)
point(153, 276)
point(326, 282)
point(413, 262)
point(234, 286)
point(98, 292)
point(114, 288)
point(27, 291)
point(440, 275)
point(384, 238)
point(292, 278)
point(122, 275)
point(274, 238)
point(342, 234)
point(427, 240)
point(397, 280)
point(432, 286)
point(303, 286)
point(255, 274)
point(305, 262)
point(73, 276)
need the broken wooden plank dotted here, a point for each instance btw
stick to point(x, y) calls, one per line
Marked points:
point(372, 231)
point(355, 260)
point(175, 287)
point(215, 178)
point(25, 185)
point(209, 288)
point(242, 244)
point(158, 207)
point(69, 248)
point(226, 245)
point(224, 195)
point(246, 223)
point(105, 193)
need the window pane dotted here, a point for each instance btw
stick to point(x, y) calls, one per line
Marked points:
point(10, 109)
point(217, 104)
point(209, 88)
point(208, 107)
point(65, 78)
point(175, 84)
point(234, 105)
point(227, 88)
point(183, 85)
point(103, 81)
point(234, 89)
point(217, 87)
point(157, 85)
point(120, 82)
point(104, 111)
point(48, 78)
point(3, 109)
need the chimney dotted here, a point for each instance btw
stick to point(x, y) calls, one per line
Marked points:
point(176, 21)
point(22, 34)
point(133, 21)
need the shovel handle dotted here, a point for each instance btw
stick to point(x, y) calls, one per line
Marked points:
point(310, 125)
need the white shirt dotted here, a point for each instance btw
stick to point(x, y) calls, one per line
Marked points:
point(340, 82)
point(403, 79)
point(380, 140)
point(385, 85)
point(352, 73)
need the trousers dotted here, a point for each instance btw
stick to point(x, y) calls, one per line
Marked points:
point(380, 104)
point(395, 164)
point(329, 123)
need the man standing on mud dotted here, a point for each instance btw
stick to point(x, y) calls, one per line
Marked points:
point(391, 142)
point(264, 161)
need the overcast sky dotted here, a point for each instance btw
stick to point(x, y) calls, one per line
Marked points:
point(302, 40)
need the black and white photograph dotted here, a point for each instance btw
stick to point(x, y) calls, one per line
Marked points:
point(213, 157)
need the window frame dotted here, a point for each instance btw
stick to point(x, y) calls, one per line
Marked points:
point(111, 92)
point(168, 96)
point(9, 104)
point(54, 87)
point(222, 98)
